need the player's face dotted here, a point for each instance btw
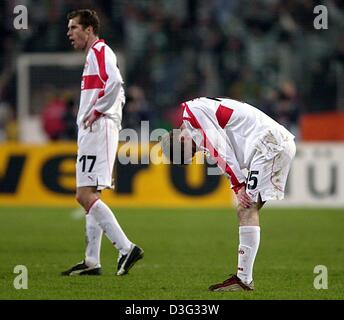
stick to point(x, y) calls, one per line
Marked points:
point(76, 34)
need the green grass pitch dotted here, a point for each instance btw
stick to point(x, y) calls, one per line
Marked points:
point(185, 251)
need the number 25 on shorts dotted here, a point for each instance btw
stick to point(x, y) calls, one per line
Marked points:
point(252, 180)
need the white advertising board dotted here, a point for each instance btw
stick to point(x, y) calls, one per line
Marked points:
point(316, 178)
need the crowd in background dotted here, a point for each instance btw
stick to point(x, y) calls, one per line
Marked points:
point(264, 52)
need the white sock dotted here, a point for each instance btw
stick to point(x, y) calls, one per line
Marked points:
point(249, 237)
point(93, 241)
point(107, 221)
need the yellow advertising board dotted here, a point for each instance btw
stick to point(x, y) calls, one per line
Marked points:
point(44, 175)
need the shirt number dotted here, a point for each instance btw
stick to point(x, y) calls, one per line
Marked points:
point(252, 180)
point(83, 159)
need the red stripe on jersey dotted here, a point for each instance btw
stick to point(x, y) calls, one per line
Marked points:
point(223, 114)
point(91, 82)
point(101, 94)
point(193, 121)
point(220, 161)
point(100, 55)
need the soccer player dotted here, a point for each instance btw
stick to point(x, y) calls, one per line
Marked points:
point(99, 121)
point(252, 150)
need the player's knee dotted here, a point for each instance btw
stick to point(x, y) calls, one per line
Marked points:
point(86, 197)
point(82, 198)
point(79, 198)
point(248, 216)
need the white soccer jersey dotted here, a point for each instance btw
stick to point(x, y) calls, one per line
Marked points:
point(102, 84)
point(232, 131)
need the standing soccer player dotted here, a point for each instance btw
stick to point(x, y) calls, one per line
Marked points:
point(238, 136)
point(99, 121)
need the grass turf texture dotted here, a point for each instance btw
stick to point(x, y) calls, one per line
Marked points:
point(185, 252)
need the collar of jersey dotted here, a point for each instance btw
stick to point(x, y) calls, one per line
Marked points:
point(97, 41)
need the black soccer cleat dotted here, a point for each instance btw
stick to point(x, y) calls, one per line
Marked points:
point(82, 269)
point(125, 262)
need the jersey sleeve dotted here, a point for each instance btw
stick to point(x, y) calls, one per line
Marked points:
point(111, 77)
point(216, 141)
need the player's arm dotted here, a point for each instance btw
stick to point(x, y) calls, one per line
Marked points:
point(220, 148)
point(112, 80)
point(113, 84)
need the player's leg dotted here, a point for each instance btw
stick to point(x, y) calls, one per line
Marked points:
point(129, 253)
point(102, 215)
point(96, 156)
point(249, 239)
point(94, 235)
point(89, 198)
point(99, 218)
point(106, 149)
point(86, 196)
point(266, 181)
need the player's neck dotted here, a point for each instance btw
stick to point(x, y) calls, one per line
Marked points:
point(91, 40)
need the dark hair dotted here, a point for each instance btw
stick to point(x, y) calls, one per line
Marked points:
point(87, 18)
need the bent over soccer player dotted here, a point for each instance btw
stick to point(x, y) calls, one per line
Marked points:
point(238, 136)
point(99, 121)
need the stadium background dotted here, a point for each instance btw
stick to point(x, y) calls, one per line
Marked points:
point(267, 53)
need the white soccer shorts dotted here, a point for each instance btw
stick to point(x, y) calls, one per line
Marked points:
point(269, 172)
point(96, 154)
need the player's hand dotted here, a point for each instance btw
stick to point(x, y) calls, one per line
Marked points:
point(243, 198)
point(95, 115)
